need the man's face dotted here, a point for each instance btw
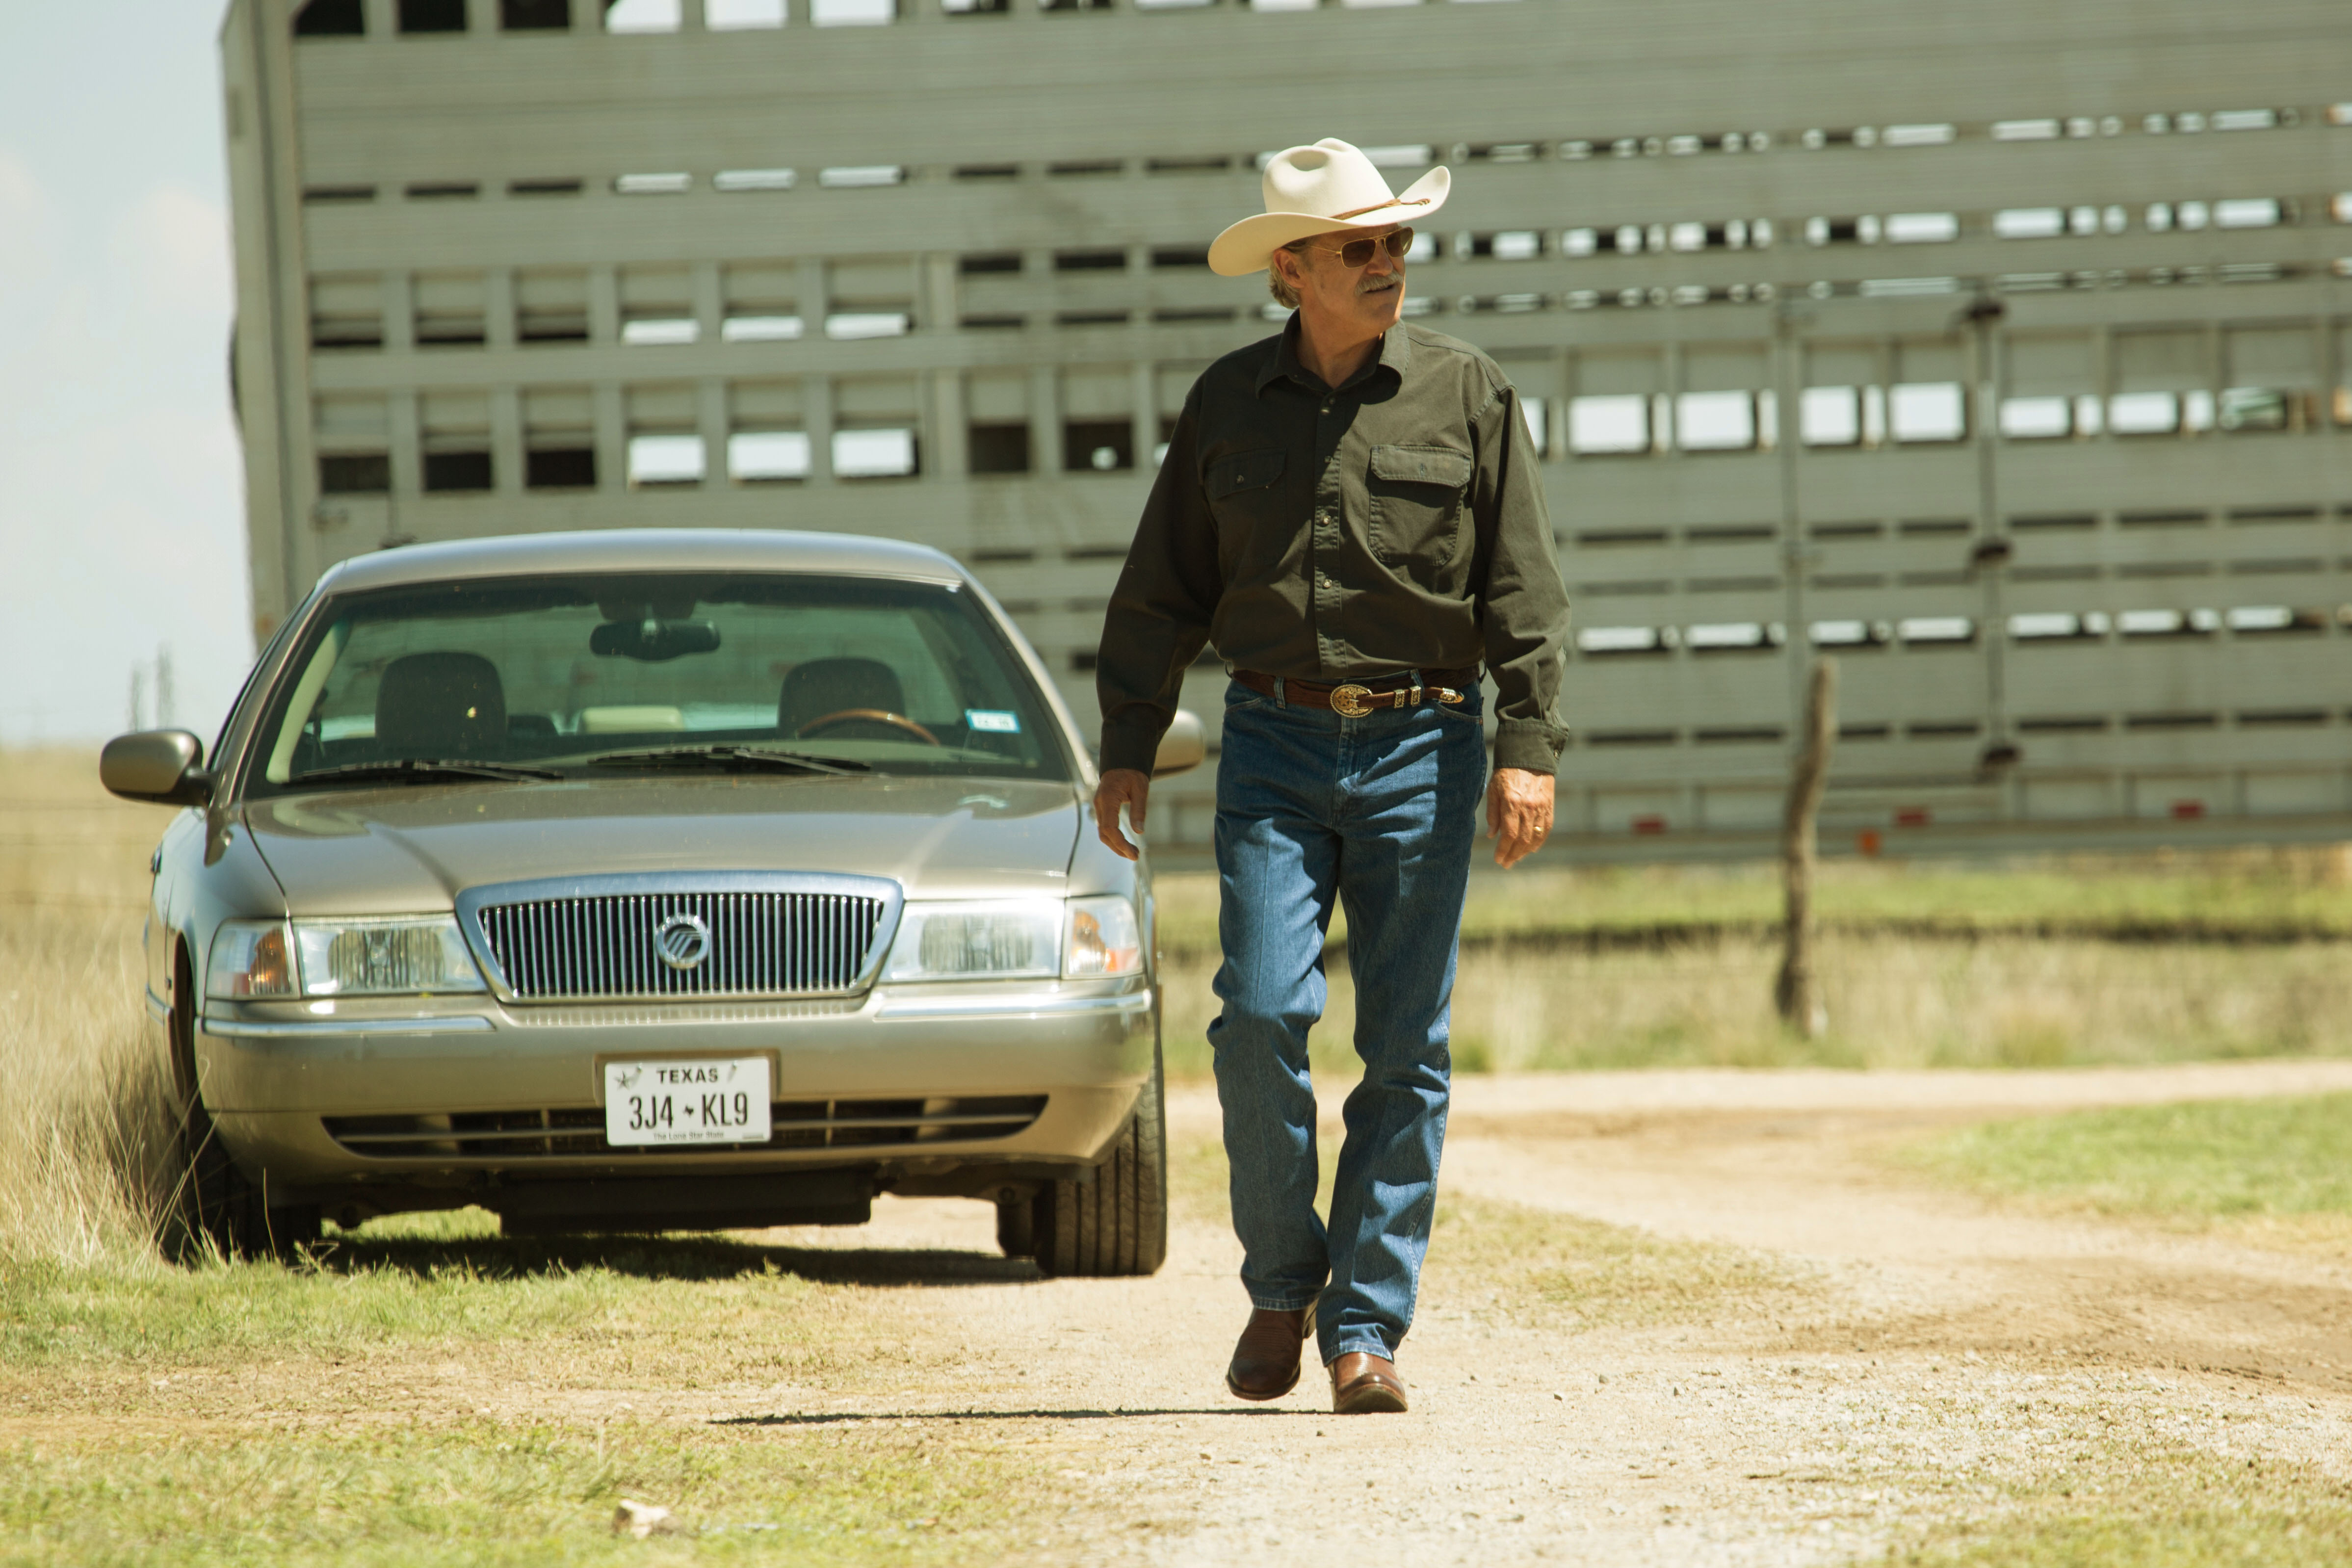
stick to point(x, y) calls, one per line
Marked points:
point(1353, 303)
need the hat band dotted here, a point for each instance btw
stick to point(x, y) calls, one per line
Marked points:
point(1376, 206)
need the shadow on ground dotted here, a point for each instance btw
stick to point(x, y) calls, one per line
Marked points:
point(846, 1418)
point(668, 1258)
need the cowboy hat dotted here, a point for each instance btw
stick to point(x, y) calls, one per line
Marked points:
point(1317, 190)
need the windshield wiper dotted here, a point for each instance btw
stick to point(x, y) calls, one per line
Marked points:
point(729, 757)
point(418, 770)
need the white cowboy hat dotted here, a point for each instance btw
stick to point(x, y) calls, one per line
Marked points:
point(1317, 190)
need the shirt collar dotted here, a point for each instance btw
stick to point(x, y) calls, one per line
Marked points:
point(1396, 355)
point(1396, 350)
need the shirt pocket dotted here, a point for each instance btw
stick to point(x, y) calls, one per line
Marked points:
point(1246, 499)
point(1416, 493)
point(1230, 477)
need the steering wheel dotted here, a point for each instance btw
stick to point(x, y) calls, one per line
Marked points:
point(868, 716)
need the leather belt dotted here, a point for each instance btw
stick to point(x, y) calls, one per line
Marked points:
point(1353, 699)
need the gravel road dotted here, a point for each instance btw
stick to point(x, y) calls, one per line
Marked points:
point(1948, 1348)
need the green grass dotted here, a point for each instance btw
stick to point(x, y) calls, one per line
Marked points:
point(1559, 1271)
point(2223, 895)
point(341, 1410)
point(2191, 1163)
point(2229, 894)
point(2275, 1536)
point(365, 1295)
point(2177, 1509)
point(483, 1493)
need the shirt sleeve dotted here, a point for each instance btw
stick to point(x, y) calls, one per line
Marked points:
point(1522, 603)
point(1159, 613)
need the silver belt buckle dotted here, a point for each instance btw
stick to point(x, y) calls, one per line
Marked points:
point(1352, 701)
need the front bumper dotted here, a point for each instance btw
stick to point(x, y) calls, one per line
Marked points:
point(279, 1078)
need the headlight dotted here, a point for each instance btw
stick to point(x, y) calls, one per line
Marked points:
point(384, 957)
point(1103, 939)
point(250, 958)
point(996, 940)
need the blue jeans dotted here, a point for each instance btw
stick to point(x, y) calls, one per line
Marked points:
point(1379, 813)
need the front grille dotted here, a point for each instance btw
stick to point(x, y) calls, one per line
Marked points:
point(795, 1124)
point(754, 944)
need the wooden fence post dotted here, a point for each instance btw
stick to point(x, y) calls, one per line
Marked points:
point(1795, 992)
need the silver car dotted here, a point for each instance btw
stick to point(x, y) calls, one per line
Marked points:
point(644, 880)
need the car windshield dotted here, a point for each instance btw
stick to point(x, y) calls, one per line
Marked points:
point(605, 675)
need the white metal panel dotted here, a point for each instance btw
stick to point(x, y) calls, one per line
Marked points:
point(1741, 367)
point(2169, 360)
point(2059, 365)
point(1601, 375)
point(875, 399)
point(766, 405)
point(997, 396)
point(1699, 280)
point(1092, 393)
point(553, 409)
point(2280, 356)
point(655, 405)
point(354, 422)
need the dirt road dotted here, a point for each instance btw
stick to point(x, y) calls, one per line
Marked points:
point(1741, 1335)
point(1942, 1349)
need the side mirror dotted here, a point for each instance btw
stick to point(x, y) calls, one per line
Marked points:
point(161, 767)
point(1184, 746)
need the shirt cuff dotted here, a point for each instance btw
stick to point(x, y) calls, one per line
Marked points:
point(1131, 745)
point(1529, 743)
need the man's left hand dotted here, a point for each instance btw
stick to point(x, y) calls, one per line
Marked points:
point(1518, 814)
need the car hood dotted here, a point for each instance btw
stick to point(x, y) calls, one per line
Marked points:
point(410, 849)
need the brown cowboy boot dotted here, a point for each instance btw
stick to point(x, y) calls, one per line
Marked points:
point(1265, 1359)
point(1366, 1384)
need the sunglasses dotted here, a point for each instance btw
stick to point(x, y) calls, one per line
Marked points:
point(1359, 252)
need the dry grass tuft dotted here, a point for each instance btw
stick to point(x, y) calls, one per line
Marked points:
point(80, 1151)
point(1567, 1274)
point(1894, 1002)
point(2056, 961)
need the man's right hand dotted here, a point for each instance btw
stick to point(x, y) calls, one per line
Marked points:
point(1127, 787)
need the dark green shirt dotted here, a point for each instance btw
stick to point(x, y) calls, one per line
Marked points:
point(1395, 523)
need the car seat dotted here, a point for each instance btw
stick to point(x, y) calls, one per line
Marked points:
point(434, 705)
point(823, 686)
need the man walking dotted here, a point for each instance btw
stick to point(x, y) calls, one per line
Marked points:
point(1351, 512)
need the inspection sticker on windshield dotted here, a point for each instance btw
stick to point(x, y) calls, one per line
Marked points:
point(724, 1100)
point(994, 721)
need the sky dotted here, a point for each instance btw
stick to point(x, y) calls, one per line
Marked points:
point(121, 496)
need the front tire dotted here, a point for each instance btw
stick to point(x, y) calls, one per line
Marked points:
point(1115, 1223)
point(217, 1210)
point(1016, 1226)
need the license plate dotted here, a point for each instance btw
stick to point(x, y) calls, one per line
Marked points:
point(720, 1100)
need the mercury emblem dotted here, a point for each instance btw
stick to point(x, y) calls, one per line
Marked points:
point(683, 941)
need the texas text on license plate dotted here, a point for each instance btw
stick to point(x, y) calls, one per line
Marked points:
point(719, 1101)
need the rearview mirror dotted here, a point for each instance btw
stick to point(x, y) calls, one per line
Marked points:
point(1184, 746)
point(161, 767)
point(651, 641)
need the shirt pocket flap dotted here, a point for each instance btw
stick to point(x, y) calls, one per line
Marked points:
point(1243, 471)
point(1421, 465)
